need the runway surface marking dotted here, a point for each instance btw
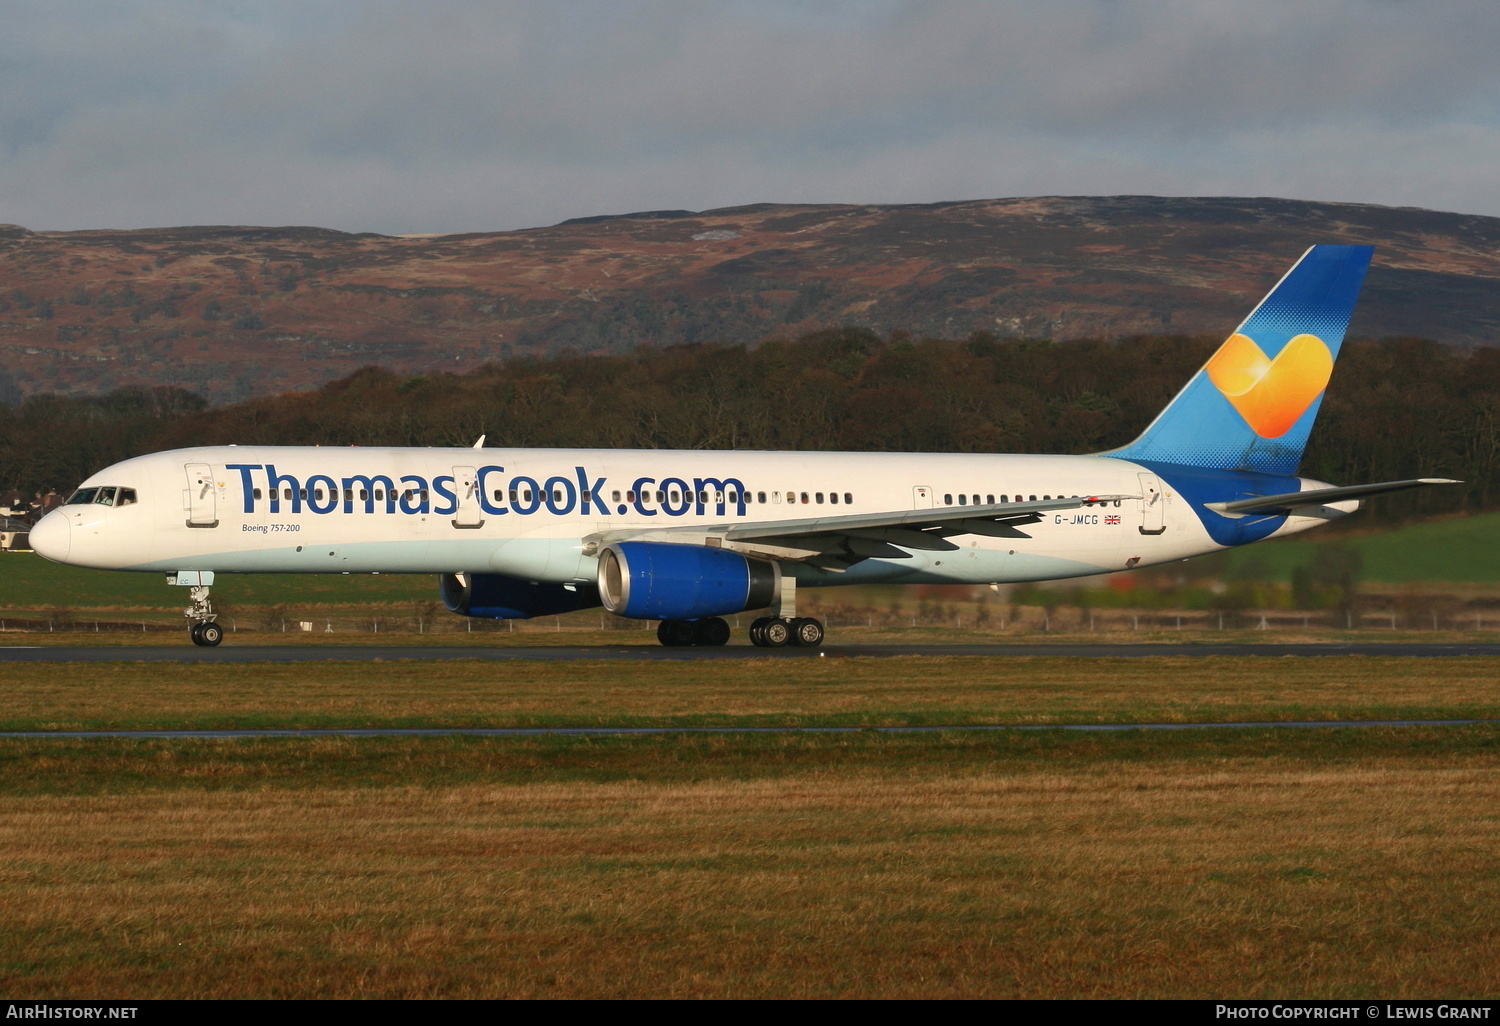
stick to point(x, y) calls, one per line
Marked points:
point(315, 732)
point(365, 653)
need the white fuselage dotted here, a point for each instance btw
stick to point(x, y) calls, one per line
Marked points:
point(467, 510)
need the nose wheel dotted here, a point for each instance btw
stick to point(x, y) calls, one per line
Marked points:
point(203, 630)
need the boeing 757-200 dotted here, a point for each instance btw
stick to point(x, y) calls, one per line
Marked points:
point(686, 537)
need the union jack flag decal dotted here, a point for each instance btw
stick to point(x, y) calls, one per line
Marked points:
point(1112, 519)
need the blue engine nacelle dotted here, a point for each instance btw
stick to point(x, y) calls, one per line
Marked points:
point(497, 597)
point(663, 581)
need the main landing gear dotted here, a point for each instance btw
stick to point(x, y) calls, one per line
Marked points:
point(776, 632)
point(767, 632)
point(711, 630)
point(203, 630)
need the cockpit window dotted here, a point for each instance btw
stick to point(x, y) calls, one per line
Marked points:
point(103, 496)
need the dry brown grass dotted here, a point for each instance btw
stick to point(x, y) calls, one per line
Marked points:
point(1081, 867)
point(867, 691)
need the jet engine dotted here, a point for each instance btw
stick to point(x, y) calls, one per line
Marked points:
point(497, 597)
point(665, 581)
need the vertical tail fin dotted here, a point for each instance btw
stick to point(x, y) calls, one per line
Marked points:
point(1253, 403)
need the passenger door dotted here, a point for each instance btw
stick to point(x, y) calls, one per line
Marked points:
point(1153, 505)
point(466, 485)
point(200, 498)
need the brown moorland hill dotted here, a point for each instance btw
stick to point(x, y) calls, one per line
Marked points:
point(232, 312)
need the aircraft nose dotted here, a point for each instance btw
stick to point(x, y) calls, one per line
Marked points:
point(52, 537)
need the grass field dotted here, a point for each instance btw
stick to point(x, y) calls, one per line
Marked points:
point(839, 692)
point(1453, 549)
point(1316, 863)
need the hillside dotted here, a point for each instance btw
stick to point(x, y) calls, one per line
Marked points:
point(233, 312)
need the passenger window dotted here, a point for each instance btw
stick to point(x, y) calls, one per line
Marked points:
point(557, 495)
point(1032, 499)
point(976, 500)
point(848, 498)
point(127, 497)
point(948, 499)
point(963, 500)
point(499, 495)
point(989, 500)
point(287, 494)
point(833, 497)
point(804, 498)
point(255, 492)
point(614, 496)
point(819, 497)
point(364, 495)
point(318, 494)
point(776, 497)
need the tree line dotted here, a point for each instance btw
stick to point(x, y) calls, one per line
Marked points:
point(1395, 409)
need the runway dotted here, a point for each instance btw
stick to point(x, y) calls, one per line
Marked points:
point(211, 735)
point(562, 653)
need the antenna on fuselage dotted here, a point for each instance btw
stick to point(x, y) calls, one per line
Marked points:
point(479, 444)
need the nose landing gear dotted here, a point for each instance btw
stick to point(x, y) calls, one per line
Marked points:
point(203, 630)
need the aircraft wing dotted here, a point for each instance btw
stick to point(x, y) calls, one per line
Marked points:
point(1320, 496)
point(837, 542)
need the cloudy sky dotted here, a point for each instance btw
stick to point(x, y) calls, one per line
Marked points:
point(452, 116)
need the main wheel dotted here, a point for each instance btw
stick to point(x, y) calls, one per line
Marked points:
point(776, 633)
point(757, 631)
point(676, 633)
point(711, 630)
point(807, 632)
point(195, 632)
point(210, 634)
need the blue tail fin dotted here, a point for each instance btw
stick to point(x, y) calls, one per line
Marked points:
point(1253, 403)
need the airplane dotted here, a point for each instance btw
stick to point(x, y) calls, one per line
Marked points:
point(689, 537)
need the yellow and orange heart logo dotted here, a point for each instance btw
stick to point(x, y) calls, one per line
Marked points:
point(1271, 394)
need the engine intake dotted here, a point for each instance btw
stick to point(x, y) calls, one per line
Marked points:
point(497, 597)
point(665, 581)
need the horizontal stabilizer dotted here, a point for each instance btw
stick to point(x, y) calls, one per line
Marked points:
point(1321, 496)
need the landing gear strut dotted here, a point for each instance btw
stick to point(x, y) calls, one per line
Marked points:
point(202, 629)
